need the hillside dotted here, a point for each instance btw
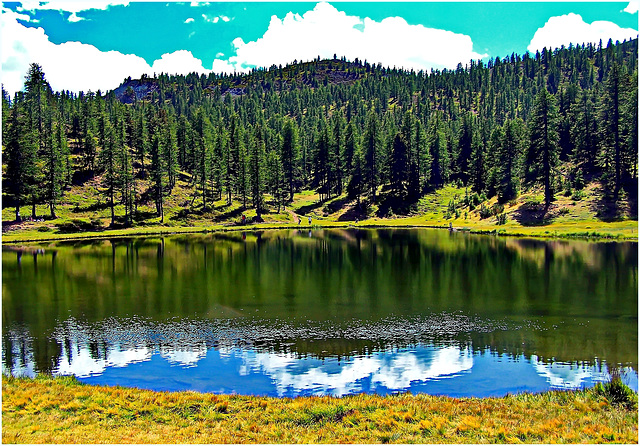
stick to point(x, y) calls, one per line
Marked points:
point(336, 140)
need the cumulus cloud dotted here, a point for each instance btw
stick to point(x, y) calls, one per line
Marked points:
point(181, 61)
point(632, 7)
point(189, 20)
point(72, 7)
point(76, 66)
point(571, 28)
point(325, 31)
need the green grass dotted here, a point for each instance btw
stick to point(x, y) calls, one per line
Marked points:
point(84, 213)
point(62, 410)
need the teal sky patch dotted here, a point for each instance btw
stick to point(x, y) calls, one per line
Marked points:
point(150, 29)
point(139, 38)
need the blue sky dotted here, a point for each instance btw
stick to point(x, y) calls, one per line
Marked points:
point(91, 45)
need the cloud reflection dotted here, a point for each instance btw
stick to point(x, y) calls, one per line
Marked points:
point(287, 373)
point(568, 376)
point(394, 371)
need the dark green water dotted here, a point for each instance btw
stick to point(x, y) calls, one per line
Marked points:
point(288, 312)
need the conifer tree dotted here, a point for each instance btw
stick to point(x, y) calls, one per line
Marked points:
point(20, 155)
point(54, 166)
point(542, 154)
point(356, 185)
point(289, 153)
point(371, 143)
point(107, 160)
point(256, 168)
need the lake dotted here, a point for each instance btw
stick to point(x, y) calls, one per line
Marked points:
point(324, 312)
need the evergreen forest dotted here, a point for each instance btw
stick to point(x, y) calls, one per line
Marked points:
point(554, 121)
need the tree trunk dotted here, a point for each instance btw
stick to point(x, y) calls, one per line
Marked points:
point(113, 214)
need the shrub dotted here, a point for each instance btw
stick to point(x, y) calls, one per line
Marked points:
point(533, 201)
point(567, 190)
point(618, 393)
point(578, 179)
point(577, 195)
point(502, 218)
point(484, 211)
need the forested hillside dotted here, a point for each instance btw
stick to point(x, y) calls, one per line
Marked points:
point(555, 121)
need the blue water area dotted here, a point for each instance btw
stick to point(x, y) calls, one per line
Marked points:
point(448, 370)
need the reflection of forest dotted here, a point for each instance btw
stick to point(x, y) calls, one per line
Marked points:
point(568, 300)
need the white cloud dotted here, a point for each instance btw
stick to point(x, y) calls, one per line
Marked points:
point(632, 7)
point(76, 66)
point(393, 370)
point(325, 31)
point(571, 28)
point(216, 19)
point(70, 6)
point(74, 18)
point(189, 20)
point(181, 61)
point(222, 66)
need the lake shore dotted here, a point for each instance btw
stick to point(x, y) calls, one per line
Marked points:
point(619, 230)
point(63, 410)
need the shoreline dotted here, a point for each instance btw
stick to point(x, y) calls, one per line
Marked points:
point(45, 409)
point(626, 230)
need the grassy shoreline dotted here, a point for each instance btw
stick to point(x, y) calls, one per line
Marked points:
point(63, 410)
point(84, 215)
point(623, 230)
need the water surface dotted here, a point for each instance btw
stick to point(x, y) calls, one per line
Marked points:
point(324, 312)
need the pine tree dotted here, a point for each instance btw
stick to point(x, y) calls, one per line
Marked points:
point(323, 168)
point(477, 167)
point(201, 145)
point(336, 153)
point(399, 165)
point(371, 145)
point(610, 134)
point(54, 166)
point(158, 169)
point(350, 142)
point(437, 144)
point(20, 155)
point(37, 90)
point(422, 158)
point(277, 185)
point(289, 153)
point(507, 156)
point(256, 168)
point(584, 132)
point(170, 153)
point(630, 129)
point(107, 160)
point(542, 154)
point(356, 185)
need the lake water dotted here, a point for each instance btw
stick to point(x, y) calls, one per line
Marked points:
point(287, 313)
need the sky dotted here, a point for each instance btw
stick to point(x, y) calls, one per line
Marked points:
point(94, 45)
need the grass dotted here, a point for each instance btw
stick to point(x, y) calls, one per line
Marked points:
point(85, 214)
point(62, 410)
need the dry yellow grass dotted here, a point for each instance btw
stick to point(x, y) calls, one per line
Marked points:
point(61, 410)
